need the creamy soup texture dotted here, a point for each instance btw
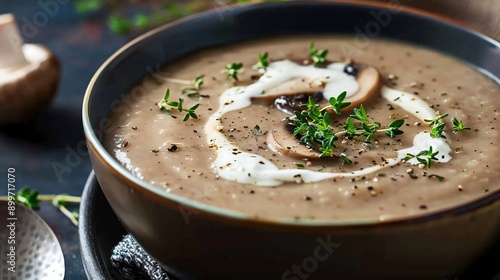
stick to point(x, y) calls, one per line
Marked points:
point(229, 159)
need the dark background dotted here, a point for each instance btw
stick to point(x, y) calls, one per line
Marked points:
point(39, 148)
point(482, 15)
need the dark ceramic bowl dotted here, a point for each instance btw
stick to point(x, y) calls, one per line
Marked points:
point(197, 241)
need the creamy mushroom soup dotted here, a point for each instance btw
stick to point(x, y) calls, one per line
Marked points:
point(283, 129)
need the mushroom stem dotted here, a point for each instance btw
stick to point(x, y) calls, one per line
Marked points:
point(11, 45)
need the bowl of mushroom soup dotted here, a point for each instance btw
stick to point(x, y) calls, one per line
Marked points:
point(291, 140)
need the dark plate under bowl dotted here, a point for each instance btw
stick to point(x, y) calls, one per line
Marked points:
point(100, 230)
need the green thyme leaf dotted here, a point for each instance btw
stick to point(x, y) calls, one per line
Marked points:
point(393, 128)
point(440, 178)
point(458, 125)
point(198, 82)
point(194, 92)
point(338, 103)
point(436, 120)
point(318, 56)
point(263, 61)
point(437, 126)
point(424, 157)
point(300, 165)
point(345, 159)
point(232, 70)
point(438, 130)
point(360, 114)
point(167, 106)
point(86, 6)
point(119, 24)
point(28, 198)
point(167, 95)
point(141, 20)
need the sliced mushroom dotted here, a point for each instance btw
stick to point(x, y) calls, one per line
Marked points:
point(29, 75)
point(368, 79)
point(292, 103)
point(292, 87)
point(281, 139)
point(369, 82)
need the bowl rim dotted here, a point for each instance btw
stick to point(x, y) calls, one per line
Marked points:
point(234, 216)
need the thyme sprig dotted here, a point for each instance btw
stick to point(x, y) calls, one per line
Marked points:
point(263, 61)
point(345, 159)
point(458, 125)
point(318, 56)
point(313, 126)
point(439, 177)
point(300, 165)
point(194, 92)
point(368, 128)
point(31, 199)
point(167, 107)
point(232, 70)
point(437, 126)
point(338, 103)
point(424, 157)
point(427, 156)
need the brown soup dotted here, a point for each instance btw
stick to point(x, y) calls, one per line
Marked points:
point(178, 156)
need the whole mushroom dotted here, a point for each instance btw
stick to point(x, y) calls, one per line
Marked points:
point(29, 75)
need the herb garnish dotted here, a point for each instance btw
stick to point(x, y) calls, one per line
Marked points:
point(318, 56)
point(338, 103)
point(313, 125)
point(427, 156)
point(369, 128)
point(263, 61)
point(458, 125)
point(31, 199)
point(440, 178)
point(167, 106)
point(194, 92)
point(437, 126)
point(300, 165)
point(424, 157)
point(28, 198)
point(345, 159)
point(232, 70)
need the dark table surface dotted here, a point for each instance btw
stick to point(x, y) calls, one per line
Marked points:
point(49, 154)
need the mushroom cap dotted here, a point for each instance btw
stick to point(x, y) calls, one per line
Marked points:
point(26, 91)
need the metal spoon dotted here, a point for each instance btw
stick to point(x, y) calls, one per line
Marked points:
point(36, 253)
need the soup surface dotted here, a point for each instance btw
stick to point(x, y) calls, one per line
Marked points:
point(365, 180)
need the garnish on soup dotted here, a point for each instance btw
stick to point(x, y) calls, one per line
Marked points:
point(313, 134)
point(317, 56)
point(366, 134)
point(232, 70)
point(194, 92)
point(167, 106)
